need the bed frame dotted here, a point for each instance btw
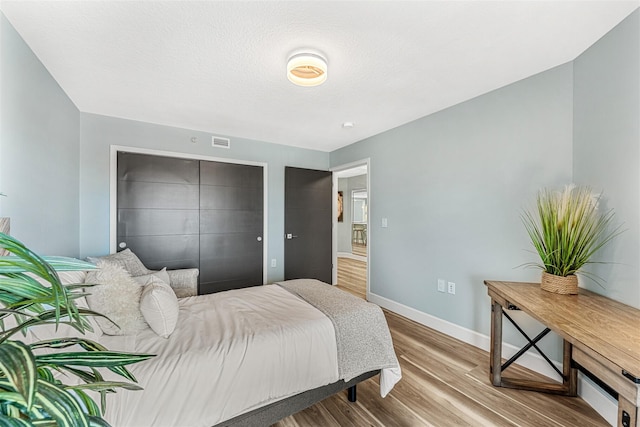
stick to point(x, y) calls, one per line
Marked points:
point(272, 413)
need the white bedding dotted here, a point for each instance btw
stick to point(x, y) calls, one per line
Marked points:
point(270, 342)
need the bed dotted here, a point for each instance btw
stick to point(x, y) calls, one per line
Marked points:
point(253, 356)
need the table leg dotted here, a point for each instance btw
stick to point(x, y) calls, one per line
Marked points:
point(496, 344)
point(569, 373)
point(627, 413)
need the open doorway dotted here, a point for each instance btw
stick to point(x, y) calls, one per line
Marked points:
point(351, 228)
point(359, 210)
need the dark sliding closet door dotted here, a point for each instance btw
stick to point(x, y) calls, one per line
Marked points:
point(231, 224)
point(180, 213)
point(158, 209)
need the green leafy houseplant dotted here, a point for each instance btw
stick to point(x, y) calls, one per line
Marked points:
point(30, 394)
point(567, 230)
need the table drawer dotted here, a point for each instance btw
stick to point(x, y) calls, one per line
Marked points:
point(608, 372)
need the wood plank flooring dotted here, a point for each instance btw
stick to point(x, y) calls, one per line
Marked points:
point(352, 276)
point(445, 383)
point(359, 249)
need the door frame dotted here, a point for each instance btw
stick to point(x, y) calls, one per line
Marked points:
point(113, 188)
point(351, 165)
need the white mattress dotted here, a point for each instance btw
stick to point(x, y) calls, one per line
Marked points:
point(271, 344)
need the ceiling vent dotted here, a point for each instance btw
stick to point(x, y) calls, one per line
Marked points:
point(220, 142)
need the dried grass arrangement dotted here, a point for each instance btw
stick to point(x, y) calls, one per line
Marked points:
point(566, 230)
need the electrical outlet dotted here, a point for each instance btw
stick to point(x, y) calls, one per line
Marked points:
point(441, 285)
point(451, 288)
point(273, 262)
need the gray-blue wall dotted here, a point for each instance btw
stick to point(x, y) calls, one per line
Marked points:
point(606, 148)
point(39, 151)
point(452, 186)
point(98, 133)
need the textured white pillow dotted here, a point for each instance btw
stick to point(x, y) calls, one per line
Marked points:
point(117, 296)
point(159, 306)
point(125, 259)
point(75, 277)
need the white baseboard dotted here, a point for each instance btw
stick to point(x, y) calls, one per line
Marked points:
point(589, 392)
point(598, 399)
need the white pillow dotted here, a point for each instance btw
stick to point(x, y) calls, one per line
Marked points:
point(117, 296)
point(159, 306)
point(66, 277)
point(49, 331)
point(147, 278)
point(71, 277)
point(63, 330)
point(183, 292)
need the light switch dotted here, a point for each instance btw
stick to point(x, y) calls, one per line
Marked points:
point(384, 222)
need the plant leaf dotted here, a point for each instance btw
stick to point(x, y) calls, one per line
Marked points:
point(60, 406)
point(17, 264)
point(112, 360)
point(98, 422)
point(83, 398)
point(13, 422)
point(45, 318)
point(67, 342)
point(30, 302)
point(91, 359)
point(25, 260)
point(106, 385)
point(46, 374)
point(19, 367)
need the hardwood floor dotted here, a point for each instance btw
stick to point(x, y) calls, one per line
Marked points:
point(359, 249)
point(445, 383)
point(352, 276)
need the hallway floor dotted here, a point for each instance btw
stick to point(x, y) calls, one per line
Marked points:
point(352, 276)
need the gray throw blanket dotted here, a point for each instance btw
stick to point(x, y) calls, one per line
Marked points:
point(362, 335)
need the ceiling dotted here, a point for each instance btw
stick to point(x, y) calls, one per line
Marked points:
point(219, 66)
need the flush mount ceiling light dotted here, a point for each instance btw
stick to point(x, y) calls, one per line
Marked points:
point(307, 69)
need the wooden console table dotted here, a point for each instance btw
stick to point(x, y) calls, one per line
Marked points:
point(600, 334)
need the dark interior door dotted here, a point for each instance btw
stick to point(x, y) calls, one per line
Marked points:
point(158, 209)
point(307, 223)
point(231, 226)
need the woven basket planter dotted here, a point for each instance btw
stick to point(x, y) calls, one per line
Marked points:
point(558, 284)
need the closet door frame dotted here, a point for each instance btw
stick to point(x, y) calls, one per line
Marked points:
point(113, 190)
